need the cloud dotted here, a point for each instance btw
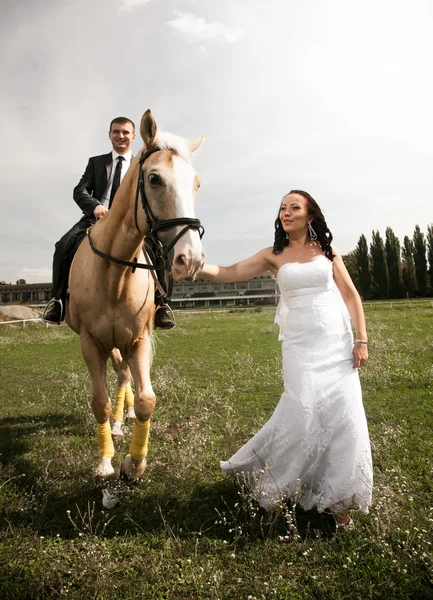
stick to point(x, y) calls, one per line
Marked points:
point(35, 275)
point(196, 29)
point(128, 5)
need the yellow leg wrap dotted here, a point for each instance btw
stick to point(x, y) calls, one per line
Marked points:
point(118, 408)
point(129, 396)
point(105, 443)
point(140, 439)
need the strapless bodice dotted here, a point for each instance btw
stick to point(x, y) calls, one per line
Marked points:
point(300, 279)
point(309, 298)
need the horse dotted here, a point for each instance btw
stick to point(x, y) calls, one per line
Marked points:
point(111, 286)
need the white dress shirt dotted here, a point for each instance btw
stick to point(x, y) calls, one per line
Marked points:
point(125, 166)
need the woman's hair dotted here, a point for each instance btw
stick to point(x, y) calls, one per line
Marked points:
point(318, 223)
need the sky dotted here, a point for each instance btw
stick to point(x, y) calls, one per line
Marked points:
point(334, 97)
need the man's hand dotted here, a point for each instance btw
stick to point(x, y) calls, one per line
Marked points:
point(100, 211)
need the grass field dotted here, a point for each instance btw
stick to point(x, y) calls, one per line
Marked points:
point(186, 532)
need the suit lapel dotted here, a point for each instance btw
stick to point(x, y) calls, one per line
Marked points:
point(104, 169)
point(107, 161)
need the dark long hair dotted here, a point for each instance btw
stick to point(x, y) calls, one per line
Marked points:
point(318, 223)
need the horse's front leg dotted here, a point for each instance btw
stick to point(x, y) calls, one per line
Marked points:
point(144, 404)
point(124, 393)
point(101, 405)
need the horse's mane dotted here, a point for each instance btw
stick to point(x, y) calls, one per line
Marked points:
point(169, 141)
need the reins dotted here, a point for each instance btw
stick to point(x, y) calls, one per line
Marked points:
point(134, 264)
point(153, 224)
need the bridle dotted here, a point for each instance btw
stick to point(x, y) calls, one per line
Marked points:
point(153, 224)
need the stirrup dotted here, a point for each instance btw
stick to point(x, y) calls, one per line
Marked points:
point(167, 307)
point(49, 307)
point(169, 314)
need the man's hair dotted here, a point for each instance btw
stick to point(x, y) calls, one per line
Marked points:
point(122, 121)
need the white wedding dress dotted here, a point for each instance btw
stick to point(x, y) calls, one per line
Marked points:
point(315, 448)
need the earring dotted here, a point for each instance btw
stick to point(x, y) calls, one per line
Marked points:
point(312, 233)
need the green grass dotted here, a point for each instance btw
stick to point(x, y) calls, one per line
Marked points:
point(186, 532)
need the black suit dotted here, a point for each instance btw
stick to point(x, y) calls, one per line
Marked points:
point(90, 190)
point(87, 195)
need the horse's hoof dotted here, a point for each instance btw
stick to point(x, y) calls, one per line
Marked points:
point(131, 469)
point(116, 430)
point(103, 470)
point(130, 414)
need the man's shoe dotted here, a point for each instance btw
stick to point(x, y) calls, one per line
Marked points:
point(163, 318)
point(53, 312)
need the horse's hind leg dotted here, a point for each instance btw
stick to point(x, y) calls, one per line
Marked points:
point(124, 393)
point(101, 405)
point(144, 404)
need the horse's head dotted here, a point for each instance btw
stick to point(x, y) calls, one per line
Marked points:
point(168, 185)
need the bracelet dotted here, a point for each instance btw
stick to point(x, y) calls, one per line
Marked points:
point(361, 341)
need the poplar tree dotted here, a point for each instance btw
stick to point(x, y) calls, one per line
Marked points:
point(351, 264)
point(430, 253)
point(379, 269)
point(393, 262)
point(420, 260)
point(363, 268)
point(408, 266)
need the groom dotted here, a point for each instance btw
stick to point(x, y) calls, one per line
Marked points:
point(94, 194)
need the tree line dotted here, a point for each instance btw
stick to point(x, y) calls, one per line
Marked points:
point(387, 269)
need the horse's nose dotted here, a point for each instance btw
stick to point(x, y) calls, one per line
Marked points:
point(181, 261)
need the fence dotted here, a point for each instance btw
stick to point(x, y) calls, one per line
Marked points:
point(23, 322)
point(390, 304)
point(398, 304)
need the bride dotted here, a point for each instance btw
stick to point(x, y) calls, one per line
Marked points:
point(315, 447)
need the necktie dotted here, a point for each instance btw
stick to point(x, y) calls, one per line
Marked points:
point(116, 179)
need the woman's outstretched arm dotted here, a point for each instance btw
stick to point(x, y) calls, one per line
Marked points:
point(240, 271)
point(353, 302)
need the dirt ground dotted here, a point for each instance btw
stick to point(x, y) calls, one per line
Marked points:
point(12, 312)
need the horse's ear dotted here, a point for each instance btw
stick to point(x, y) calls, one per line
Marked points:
point(148, 128)
point(195, 144)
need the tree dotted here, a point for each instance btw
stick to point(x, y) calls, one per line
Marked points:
point(21, 281)
point(420, 260)
point(430, 253)
point(408, 266)
point(351, 264)
point(363, 268)
point(393, 263)
point(379, 269)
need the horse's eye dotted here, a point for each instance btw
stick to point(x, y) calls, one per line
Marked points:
point(154, 179)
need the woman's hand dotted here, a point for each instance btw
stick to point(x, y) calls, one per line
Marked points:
point(360, 355)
